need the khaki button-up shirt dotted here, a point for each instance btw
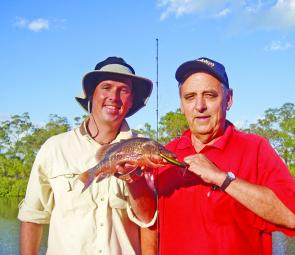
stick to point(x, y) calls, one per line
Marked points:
point(97, 221)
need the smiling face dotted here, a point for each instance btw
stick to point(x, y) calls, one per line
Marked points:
point(204, 102)
point(112, 100)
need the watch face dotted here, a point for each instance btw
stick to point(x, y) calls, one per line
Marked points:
point(231, 175)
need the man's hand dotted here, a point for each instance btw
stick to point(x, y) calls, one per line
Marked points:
point(205, 169)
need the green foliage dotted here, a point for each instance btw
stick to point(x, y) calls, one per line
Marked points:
point(9, 207)
point(278, 126)
point(20, 141)
point(10, 187)
point(172, 125)
point(292, 169)
point(147, 131)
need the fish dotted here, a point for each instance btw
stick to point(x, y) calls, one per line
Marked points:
point(137, 151)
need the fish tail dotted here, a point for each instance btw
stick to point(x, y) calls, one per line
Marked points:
point(87, 178)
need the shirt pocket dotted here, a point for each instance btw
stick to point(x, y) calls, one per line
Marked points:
point(68, 194)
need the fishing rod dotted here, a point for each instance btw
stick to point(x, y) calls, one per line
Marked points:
point(157, 86)
point(157, 116)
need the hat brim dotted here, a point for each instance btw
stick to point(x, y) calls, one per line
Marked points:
point(190, 67)
point(141, 87)
point(83, 102)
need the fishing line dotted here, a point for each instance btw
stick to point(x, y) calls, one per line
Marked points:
point(97, 130)
point(157, 170)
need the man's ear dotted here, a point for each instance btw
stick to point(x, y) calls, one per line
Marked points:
point(229, 99)
point(181, 108)
point(89, 106)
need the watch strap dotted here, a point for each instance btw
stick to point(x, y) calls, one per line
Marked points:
point(229, 178)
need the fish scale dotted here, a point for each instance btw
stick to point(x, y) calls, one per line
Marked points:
point(139, 151)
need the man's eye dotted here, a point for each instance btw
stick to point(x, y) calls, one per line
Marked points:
point(189, 97)
point(125, 90)
point(211, 95)
point(105, 87)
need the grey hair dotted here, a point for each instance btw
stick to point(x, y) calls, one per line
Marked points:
point(225, 88)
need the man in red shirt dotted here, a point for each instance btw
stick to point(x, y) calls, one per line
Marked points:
point(236, 190)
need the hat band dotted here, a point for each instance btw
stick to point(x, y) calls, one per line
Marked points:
point(116, 68)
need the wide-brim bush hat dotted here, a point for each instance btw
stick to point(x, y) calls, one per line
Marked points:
point(202, 64)
point(114, 67)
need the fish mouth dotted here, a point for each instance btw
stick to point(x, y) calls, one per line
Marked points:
point(173, 161)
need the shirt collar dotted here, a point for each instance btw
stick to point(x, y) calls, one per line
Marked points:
point(220, 143)
point(125, 131)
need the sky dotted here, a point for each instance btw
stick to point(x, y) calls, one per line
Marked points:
point(46, 47)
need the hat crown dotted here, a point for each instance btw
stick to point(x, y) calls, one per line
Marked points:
point(202, 64)
point(113, 61)
point(211, 63)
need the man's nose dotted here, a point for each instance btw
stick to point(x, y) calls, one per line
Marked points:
point(200, 104)
point(114, 94)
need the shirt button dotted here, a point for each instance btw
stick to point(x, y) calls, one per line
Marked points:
point(102, 199)
point(100, 251)
point(101, 224)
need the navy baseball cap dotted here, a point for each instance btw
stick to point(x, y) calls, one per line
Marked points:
point(202, 64)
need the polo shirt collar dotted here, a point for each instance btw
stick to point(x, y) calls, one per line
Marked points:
point(186, 141)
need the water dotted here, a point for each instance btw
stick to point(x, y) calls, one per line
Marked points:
point(9, 233)
point(9, 228)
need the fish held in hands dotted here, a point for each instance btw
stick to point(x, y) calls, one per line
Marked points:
point(140, 152)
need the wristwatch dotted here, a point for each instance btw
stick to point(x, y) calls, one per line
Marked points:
point(230, 176)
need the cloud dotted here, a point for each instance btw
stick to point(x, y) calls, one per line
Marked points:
point(281, 15)
point(38, 25)
point(223, 12)
point(265, 14)
point(35, 25)
point(21, 22)
point(183, 7)
point(278, 46)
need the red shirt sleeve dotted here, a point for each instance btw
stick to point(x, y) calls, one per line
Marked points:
point(276, 176)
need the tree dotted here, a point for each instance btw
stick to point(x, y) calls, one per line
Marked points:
point(147, 131)
point(171, 125)
point(278, 126)
point(12, 131)
point(32, 142)
point(20, 141)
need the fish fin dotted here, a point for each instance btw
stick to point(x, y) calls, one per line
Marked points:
point(100, 177)
point(87, 178)
point(102, 151)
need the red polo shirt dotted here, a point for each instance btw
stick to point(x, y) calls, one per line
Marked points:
point(194, 219)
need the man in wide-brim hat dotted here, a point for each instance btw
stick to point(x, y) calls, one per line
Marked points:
point(109, 69)
point(106, 217)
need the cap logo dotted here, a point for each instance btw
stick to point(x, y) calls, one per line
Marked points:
point(207, 62)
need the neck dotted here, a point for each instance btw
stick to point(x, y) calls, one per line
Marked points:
point(200, 141)
point(101, 133)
